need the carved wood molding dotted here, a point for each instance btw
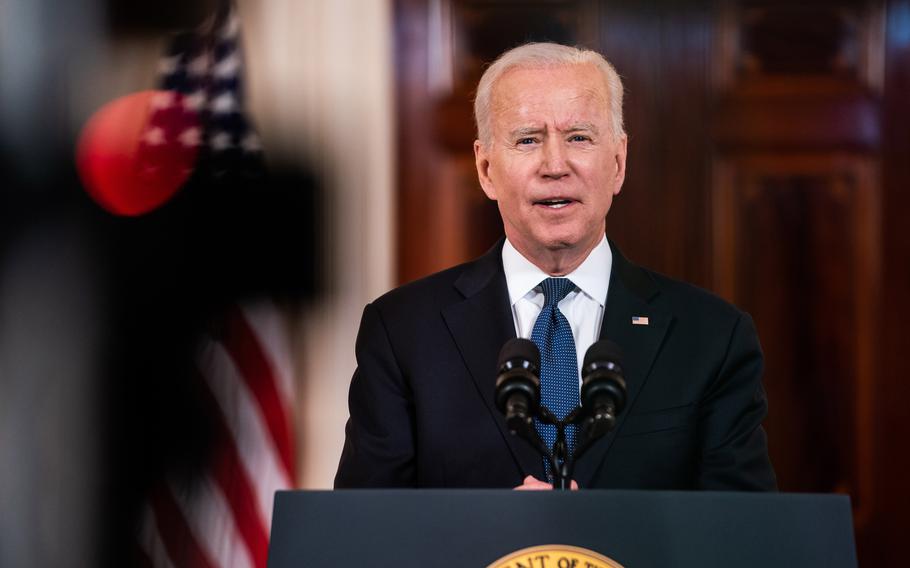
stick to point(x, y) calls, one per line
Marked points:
point(743, 183)
point(771, 48)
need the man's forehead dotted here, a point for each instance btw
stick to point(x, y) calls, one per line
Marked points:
point(551, 107)
point(526, 89)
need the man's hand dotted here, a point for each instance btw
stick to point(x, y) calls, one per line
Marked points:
point(531, 483)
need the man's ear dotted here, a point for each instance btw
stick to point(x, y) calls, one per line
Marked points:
point(481, 160)
point(620, 160)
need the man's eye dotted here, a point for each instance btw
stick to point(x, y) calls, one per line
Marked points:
point(579, 138)
point(526, 141)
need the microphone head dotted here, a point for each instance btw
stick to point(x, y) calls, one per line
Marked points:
point(519, 352)
point(602, 376)
point(601, 352)
point(518, 375)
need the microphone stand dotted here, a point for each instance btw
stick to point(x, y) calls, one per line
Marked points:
point(562, 463)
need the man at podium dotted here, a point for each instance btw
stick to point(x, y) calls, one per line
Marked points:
point(551, 151)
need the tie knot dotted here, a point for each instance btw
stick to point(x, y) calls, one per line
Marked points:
point(555, 289)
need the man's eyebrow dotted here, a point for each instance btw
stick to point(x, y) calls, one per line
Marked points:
point(525, 131)
point(581, 127)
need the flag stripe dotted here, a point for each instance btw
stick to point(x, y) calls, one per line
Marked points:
point(231, 477)
point(175, 532)
point(259, 376)
point(244, 420)
point(153, 553)
point(211, 524)
point(268, 325)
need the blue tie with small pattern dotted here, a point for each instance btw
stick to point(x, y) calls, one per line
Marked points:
point(558, 362)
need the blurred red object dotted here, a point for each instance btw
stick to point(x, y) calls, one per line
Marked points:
point(137, 151)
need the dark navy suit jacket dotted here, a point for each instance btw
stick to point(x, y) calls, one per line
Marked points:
point(422, 408)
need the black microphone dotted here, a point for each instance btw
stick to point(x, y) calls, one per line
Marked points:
point(518, 384)
point(603, 388)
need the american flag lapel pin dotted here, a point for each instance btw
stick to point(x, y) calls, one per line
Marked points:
point(640, 320)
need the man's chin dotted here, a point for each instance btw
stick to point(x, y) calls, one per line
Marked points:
point(550, 242)
point(560, 246)
point(569, 244)
point(559, 242)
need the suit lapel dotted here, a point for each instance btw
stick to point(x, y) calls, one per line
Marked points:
point(480, 325)
point(632, 293)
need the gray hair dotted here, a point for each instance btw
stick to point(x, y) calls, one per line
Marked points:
point(542, 55)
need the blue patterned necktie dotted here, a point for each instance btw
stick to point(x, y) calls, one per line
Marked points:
point(558, 361)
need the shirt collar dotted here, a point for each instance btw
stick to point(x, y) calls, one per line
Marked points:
point(592, 276)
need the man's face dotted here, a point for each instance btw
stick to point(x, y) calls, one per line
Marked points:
point(552, 163)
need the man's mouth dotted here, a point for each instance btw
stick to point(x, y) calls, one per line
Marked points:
point(556, 203)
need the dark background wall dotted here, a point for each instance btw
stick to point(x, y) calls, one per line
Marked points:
point(769, 159)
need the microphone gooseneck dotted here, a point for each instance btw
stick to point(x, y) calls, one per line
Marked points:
point(518, 384)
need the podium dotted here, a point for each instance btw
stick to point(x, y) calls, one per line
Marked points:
point(633, 529)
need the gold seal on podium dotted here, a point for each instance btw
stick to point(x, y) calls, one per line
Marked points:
point(555, 556)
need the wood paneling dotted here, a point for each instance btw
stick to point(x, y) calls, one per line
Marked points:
point(885, 542)
point(796, 243)
point(797, 225)
point(771, 47)
point(662, 51)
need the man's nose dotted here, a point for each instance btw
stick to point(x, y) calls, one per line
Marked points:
point(555, 165)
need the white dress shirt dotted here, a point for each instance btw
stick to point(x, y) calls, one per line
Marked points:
point(583, 307)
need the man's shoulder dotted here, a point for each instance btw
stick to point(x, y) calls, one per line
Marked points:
point(437, 288)
point(678, 296)
point(446, 286)
point(686, 299)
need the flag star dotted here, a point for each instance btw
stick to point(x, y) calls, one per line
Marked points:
point(190, 136)
point(194, 101)
point(224, 103)
point(227, 67)
point(198, 66)
point(154, 136)
point(163, 99)
point(251, 143)
point(220, 141)
point(167, 65)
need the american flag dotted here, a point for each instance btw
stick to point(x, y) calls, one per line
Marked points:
point(221, 516)
point(201, 106)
